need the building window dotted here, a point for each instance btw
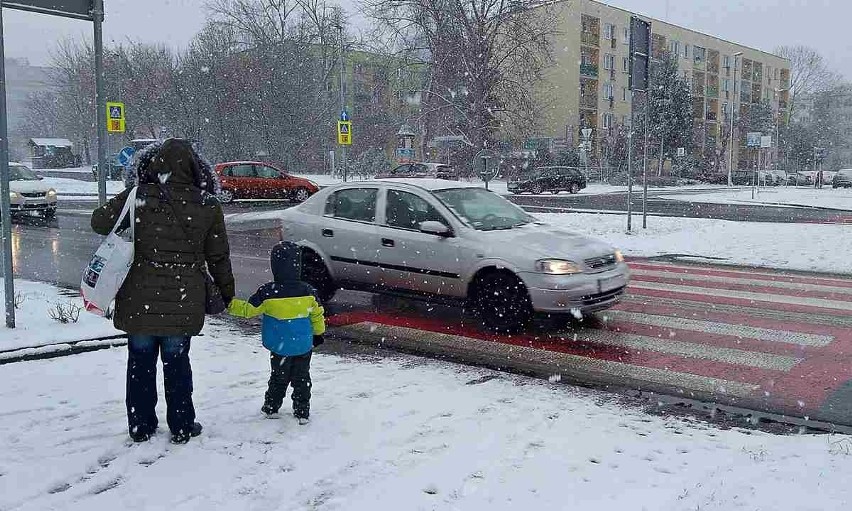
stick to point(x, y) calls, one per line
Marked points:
point(609, 61)
point(608, 90)
point(624, 94)
point(726, 62)
point(609, 31)
point(625, 64)
point(608, 119)
point(674, 48)
point(726, 84)
point(699, 55)
point(685, 51)
point(626, 37)
point(624, 120)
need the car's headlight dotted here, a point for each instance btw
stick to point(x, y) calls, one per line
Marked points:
point(314, 184)
point(557, 267)
point(14, 196)
point(619, 257)
point(51, 193)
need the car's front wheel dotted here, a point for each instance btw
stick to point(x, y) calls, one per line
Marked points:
point(575, 188)
point(537, 189)
point(50, 213)
point(315, 273)
point(501, 301)
point(301, 195)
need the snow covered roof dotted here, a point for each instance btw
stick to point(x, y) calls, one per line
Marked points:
point(55, 142)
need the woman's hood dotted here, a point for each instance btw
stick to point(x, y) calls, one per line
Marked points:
point(175, 160)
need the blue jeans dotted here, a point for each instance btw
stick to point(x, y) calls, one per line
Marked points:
point(142, 383)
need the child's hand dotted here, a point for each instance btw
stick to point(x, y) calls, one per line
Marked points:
point(318, 340)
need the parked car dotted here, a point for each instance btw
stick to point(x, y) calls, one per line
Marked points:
point(28, 193)
point(548, 179)
point(451, 241)
point(259, 180)
point(773, 177)
point(802, 178)
point(843, 179)
point(422, 170)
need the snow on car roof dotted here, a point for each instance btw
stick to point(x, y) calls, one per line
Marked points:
point(429, 184)
point(55, 142)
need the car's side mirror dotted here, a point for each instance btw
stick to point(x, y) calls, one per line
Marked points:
point(436, 228)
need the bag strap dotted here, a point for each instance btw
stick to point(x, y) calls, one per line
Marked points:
point(129, 207)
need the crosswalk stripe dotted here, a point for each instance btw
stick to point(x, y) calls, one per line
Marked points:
point(799, 286)
point(755, 274)
point(745, 295)
point(692, 350)
point(711, 327)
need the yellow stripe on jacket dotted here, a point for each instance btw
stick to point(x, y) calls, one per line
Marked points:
point(283, 309)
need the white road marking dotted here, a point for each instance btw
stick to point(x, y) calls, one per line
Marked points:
point(798, 286)
point(711, 327)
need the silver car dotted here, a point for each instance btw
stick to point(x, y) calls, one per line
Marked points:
point(436, 238)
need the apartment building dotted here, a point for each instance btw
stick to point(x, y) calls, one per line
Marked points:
point(588, 85)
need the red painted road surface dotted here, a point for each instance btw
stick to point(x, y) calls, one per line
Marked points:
point(780, 342)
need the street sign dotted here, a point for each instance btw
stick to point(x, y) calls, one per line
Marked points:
point(344, 115)
point(587, 132)
point(125, 156)
point(640, 53)
point(115, 117)
point(753, 138)
point(344, 132)
point(681, 151)
point(486, 164)
point(78, 9)
point(766, 141)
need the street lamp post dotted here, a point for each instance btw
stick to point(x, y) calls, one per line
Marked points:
point(731, 134)
point(777, 121)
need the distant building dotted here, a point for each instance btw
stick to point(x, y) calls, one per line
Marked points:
point(22, 79)
point(589, 82)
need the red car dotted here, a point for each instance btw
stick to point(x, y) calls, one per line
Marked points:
point(259, 180)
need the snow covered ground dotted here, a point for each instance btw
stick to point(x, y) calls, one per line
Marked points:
point(36, 328)
point(826, 197)
point(811, 247)
point(387, 433)
point(66, 187)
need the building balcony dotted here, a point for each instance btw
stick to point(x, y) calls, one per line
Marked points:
point(590, 70)
point(590, 39)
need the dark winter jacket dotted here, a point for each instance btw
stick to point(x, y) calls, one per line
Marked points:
point(293, 318)
point(179, 227)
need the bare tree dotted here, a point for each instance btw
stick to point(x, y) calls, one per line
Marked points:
point(809, 73)
point(482, 61)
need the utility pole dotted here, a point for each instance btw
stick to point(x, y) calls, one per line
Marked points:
point(630, 166)
point(645, 163)
point(733, 114)
point(342, 85)
point(100, 100)
point(5, 215)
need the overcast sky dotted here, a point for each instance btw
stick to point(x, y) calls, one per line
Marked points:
point(763, 24)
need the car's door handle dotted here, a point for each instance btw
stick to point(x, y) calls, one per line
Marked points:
point(328, 233)
point(387, 242)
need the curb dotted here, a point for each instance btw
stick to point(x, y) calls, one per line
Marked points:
point(61, 349)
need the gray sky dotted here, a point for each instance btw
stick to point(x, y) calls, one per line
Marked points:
point(763, 24)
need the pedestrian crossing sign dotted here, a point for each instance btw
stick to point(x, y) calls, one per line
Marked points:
point(115, 117)
point(344, 132)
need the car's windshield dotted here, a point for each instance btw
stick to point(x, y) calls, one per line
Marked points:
point(483, 210)
point(21, 173)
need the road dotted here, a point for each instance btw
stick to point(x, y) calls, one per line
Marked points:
point(776, 342)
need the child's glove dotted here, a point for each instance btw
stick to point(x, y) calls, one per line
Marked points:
point(318, 340)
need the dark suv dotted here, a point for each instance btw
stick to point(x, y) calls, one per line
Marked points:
point(549, 179)
point(843, 179)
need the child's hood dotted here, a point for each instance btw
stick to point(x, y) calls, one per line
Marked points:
point(286, 261)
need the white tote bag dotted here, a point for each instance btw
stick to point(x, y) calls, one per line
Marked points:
point(109, 266)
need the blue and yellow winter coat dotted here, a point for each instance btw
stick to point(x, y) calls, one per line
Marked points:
point(292, 313)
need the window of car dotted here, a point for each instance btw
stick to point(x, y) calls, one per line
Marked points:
point(401, 170)
point(21, 173)
point(240, 171)
point(353, 204)
point(407, 211)
point(267, 172)
point(483, 210)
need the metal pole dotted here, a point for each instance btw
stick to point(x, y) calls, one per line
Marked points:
point(100, 100)
point(645, 164)
point(5, 213)
point(630, 166)
point(342, 95)
point(731, 134)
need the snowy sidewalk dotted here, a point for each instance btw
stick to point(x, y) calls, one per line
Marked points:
point(827, 197)
point(387, 433)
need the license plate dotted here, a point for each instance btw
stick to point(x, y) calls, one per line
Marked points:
point(610, 283)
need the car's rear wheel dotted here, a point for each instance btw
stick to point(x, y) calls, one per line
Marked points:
point(575, 188)
point(226, 196)
point(315, 273)
point(537, 189)
point(301, 195)
point(500, 300)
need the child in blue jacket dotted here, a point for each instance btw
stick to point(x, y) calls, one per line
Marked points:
point(293, 324)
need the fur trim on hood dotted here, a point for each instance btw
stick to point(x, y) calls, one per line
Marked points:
point(174, 160)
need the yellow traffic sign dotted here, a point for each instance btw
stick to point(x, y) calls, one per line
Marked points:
point(115, 117)
point(344, 132)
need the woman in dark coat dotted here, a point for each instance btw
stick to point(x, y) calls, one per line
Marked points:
point(180, 229)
